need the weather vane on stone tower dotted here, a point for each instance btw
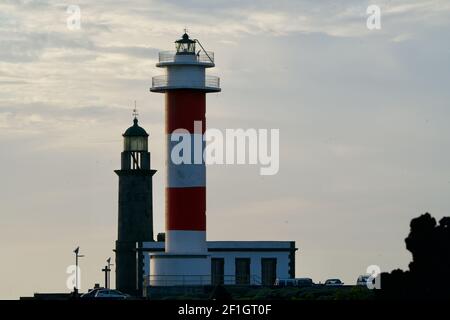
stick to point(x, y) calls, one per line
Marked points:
point(135, 113)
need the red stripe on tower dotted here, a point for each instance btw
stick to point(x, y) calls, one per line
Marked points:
point(186, 208)
point(183, 107)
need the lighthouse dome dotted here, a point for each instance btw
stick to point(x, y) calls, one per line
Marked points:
point(135, 130)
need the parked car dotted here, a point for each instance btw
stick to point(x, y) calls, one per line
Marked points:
point(108, 294)
point(362, 280)
point(91, 294)
point(304, 282)
point(334, 283)
point(285, 283)
point(298, 282)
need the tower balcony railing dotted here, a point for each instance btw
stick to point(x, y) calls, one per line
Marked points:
point(162, 82)
point(201, 57)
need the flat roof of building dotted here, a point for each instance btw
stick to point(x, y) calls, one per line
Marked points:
point(231, 246)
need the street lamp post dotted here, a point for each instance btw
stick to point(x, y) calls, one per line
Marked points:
point(76, 251)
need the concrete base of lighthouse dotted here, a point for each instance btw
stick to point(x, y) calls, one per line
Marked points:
point(171, 269)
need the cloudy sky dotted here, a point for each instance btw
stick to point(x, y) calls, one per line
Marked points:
point(363, 118)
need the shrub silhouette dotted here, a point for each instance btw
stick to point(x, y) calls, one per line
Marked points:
point(220, 293)
point(429, 244)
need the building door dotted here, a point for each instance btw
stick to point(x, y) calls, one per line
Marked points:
point(268, 271)
point(243, 271)
point(217, 270)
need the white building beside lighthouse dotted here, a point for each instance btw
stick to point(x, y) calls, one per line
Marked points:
point(231, 263)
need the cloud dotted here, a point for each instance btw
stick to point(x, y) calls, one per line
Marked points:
point(352, 107)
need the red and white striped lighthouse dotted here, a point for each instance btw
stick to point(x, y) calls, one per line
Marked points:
point(185, 85)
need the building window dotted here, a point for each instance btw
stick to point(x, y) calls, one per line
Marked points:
point(268, 271)
point(243, 271)
point(217, 270)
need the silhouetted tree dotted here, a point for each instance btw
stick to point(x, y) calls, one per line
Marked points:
point(429, 244)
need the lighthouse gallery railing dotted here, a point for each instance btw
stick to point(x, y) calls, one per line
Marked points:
point(163, 81)
point(202, 57)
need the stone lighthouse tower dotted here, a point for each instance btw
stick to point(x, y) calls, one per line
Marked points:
point(185, 85)
point(135, 223)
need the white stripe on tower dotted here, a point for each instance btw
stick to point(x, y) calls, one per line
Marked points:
point(188, 171)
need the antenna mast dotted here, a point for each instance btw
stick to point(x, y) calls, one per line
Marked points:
point(196, 40)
